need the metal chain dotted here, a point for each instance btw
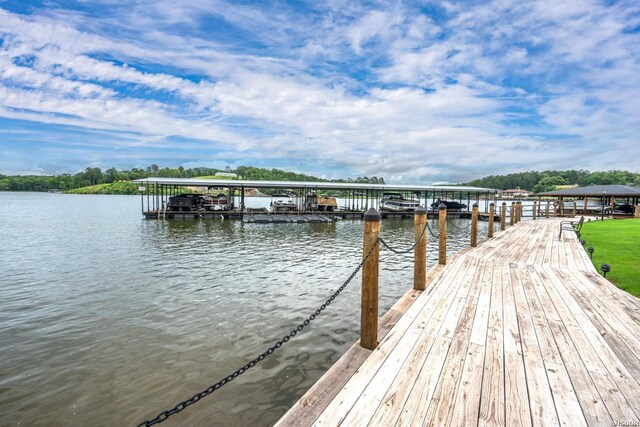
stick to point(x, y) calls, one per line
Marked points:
point(162, 416)
point(460, 228)
point(435, 236)
point(397, 251)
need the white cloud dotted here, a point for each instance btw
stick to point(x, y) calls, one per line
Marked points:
point(424, 97)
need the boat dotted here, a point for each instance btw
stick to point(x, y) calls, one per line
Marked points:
point(321, 204)
point(624, 208)
point(395, 202)
point(282, 203)
point(219, 202)
point(185, 203)
point(451, 206)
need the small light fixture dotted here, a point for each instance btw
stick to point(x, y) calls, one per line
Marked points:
point(582, 242)
point(590, 250)
point(605, 269)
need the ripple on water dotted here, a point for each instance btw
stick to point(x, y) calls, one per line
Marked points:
point(105, 316)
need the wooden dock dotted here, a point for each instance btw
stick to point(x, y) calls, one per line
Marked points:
point(518, 331)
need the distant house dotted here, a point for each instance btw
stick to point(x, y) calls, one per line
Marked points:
point(227, 174)
point(514, 193)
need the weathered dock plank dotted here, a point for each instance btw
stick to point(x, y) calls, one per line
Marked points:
point(518, 331)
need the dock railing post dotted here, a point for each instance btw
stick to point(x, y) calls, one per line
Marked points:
point(442, 240)
point(512, 213)
point(534, 210)
point(420, 253)
point(575, 208)
point(369, 300)
point(518, 212)
point(503, 216)
point(492, 210)
point(547, 210)
point(474, 225)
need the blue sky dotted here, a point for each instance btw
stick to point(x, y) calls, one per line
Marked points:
point(417, 92)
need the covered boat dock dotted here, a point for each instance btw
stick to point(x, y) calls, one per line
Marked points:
point(353, 199)
point(600, 199)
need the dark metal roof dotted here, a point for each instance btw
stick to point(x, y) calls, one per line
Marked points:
point(596, 191)
point(200, 182)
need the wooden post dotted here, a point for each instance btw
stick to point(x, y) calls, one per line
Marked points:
point(442, 241)
point(503, 216)
point(636, 214)
point(420, 253)
point(492, 212)
point(512, 213)
point(369, 306)
point(534, 210)
point(474, 225)
point(547, 210)
point(613, 204)
point(518, 212)
point(575, 208)
point(561, 205)
point(584, 211)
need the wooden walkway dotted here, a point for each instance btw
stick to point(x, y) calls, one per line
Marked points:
point(519, 331)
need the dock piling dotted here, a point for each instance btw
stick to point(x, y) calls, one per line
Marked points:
point(442, 240)
point(534, 210)
point(474, 225)
point(512, 213)
point(370, 269)
point(503, 216)
point(547, 210)
point(420, 253)
point(492, 209)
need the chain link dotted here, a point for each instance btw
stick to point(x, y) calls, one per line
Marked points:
point(435, 236)
point(460, 228)
point(162, 416)
point(398, 251)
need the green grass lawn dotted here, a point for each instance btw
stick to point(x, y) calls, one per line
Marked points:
point(617, 243)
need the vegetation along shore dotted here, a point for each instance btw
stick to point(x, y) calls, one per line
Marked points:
point(114, 181)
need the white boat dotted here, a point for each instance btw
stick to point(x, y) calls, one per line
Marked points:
point(219, 202)
point(395, 202)
point(282, 203)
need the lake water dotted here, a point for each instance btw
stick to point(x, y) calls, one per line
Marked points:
point(107, 319)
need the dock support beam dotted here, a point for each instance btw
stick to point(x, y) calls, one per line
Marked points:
point(518, 212)
point(503, 216)
point(534, 211)
point(420, 253)
point(370, 269)
point(474, 226)
point(492, 212)
point(512, 213)
point(442, 236)
point(547, 210)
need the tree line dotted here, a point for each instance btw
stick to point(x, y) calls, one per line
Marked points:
point(94, 176)
point(548, 180)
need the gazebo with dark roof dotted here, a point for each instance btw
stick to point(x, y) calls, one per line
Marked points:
point(604, 193)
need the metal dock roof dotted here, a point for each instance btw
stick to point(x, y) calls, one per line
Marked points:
point(325, 185)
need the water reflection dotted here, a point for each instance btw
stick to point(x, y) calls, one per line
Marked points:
point(106, 318)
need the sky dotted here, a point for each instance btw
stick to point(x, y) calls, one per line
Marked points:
point(415, 92)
